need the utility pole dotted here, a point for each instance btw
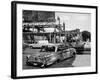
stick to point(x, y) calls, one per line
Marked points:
point(58, 18)
point(64, 32)
point(63, 26)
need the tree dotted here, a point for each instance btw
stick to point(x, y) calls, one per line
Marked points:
point(86, 35)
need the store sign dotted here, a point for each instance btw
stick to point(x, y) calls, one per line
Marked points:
point(38, 16)
point(40, 23)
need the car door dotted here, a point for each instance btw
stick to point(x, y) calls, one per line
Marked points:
point(61, 53)
point(66, 53)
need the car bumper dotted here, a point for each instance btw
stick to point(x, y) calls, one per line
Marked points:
point(32, 63)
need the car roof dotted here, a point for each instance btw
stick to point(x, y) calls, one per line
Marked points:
point(52, 44)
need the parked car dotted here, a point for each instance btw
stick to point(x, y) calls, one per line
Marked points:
point(39, 44)
point(50, 54)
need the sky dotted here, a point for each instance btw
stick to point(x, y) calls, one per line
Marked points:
point(75, 20)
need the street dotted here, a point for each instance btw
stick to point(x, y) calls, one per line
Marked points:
point(80, 60)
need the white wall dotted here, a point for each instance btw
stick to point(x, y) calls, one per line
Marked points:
point(5, 41)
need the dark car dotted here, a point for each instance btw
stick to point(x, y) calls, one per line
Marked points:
point(50, 54)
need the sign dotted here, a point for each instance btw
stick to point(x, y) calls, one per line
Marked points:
point(38, 16)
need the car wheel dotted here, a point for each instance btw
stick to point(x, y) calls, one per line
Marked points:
point(42, 66)
point(31, 47)
point(74, 54)
point(58, 61)
point(27, 63)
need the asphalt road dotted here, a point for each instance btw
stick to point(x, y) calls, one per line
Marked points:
point(79, 61)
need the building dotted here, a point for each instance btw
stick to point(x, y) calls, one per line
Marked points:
point(35, 23)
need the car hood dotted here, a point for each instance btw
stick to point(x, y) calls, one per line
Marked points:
point(42, 54)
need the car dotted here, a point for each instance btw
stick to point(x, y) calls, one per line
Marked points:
point(39, 44)
point(50, 54)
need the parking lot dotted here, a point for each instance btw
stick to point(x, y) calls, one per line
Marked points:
point(80, 60)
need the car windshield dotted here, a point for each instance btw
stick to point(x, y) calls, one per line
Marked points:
point(47, 49)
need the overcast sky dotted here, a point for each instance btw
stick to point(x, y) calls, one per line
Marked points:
point(75, 20)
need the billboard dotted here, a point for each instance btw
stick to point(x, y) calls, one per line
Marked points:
point(38, 16)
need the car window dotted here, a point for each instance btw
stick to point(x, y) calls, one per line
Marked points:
point(61, 48)
point(48, 49)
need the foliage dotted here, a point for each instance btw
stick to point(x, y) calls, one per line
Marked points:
point(86, 35)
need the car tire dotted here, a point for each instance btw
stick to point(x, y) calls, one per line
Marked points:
point(31, 47)
point(42, 66)
point(74, 54)
point(27, 63)
point(58, 61)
